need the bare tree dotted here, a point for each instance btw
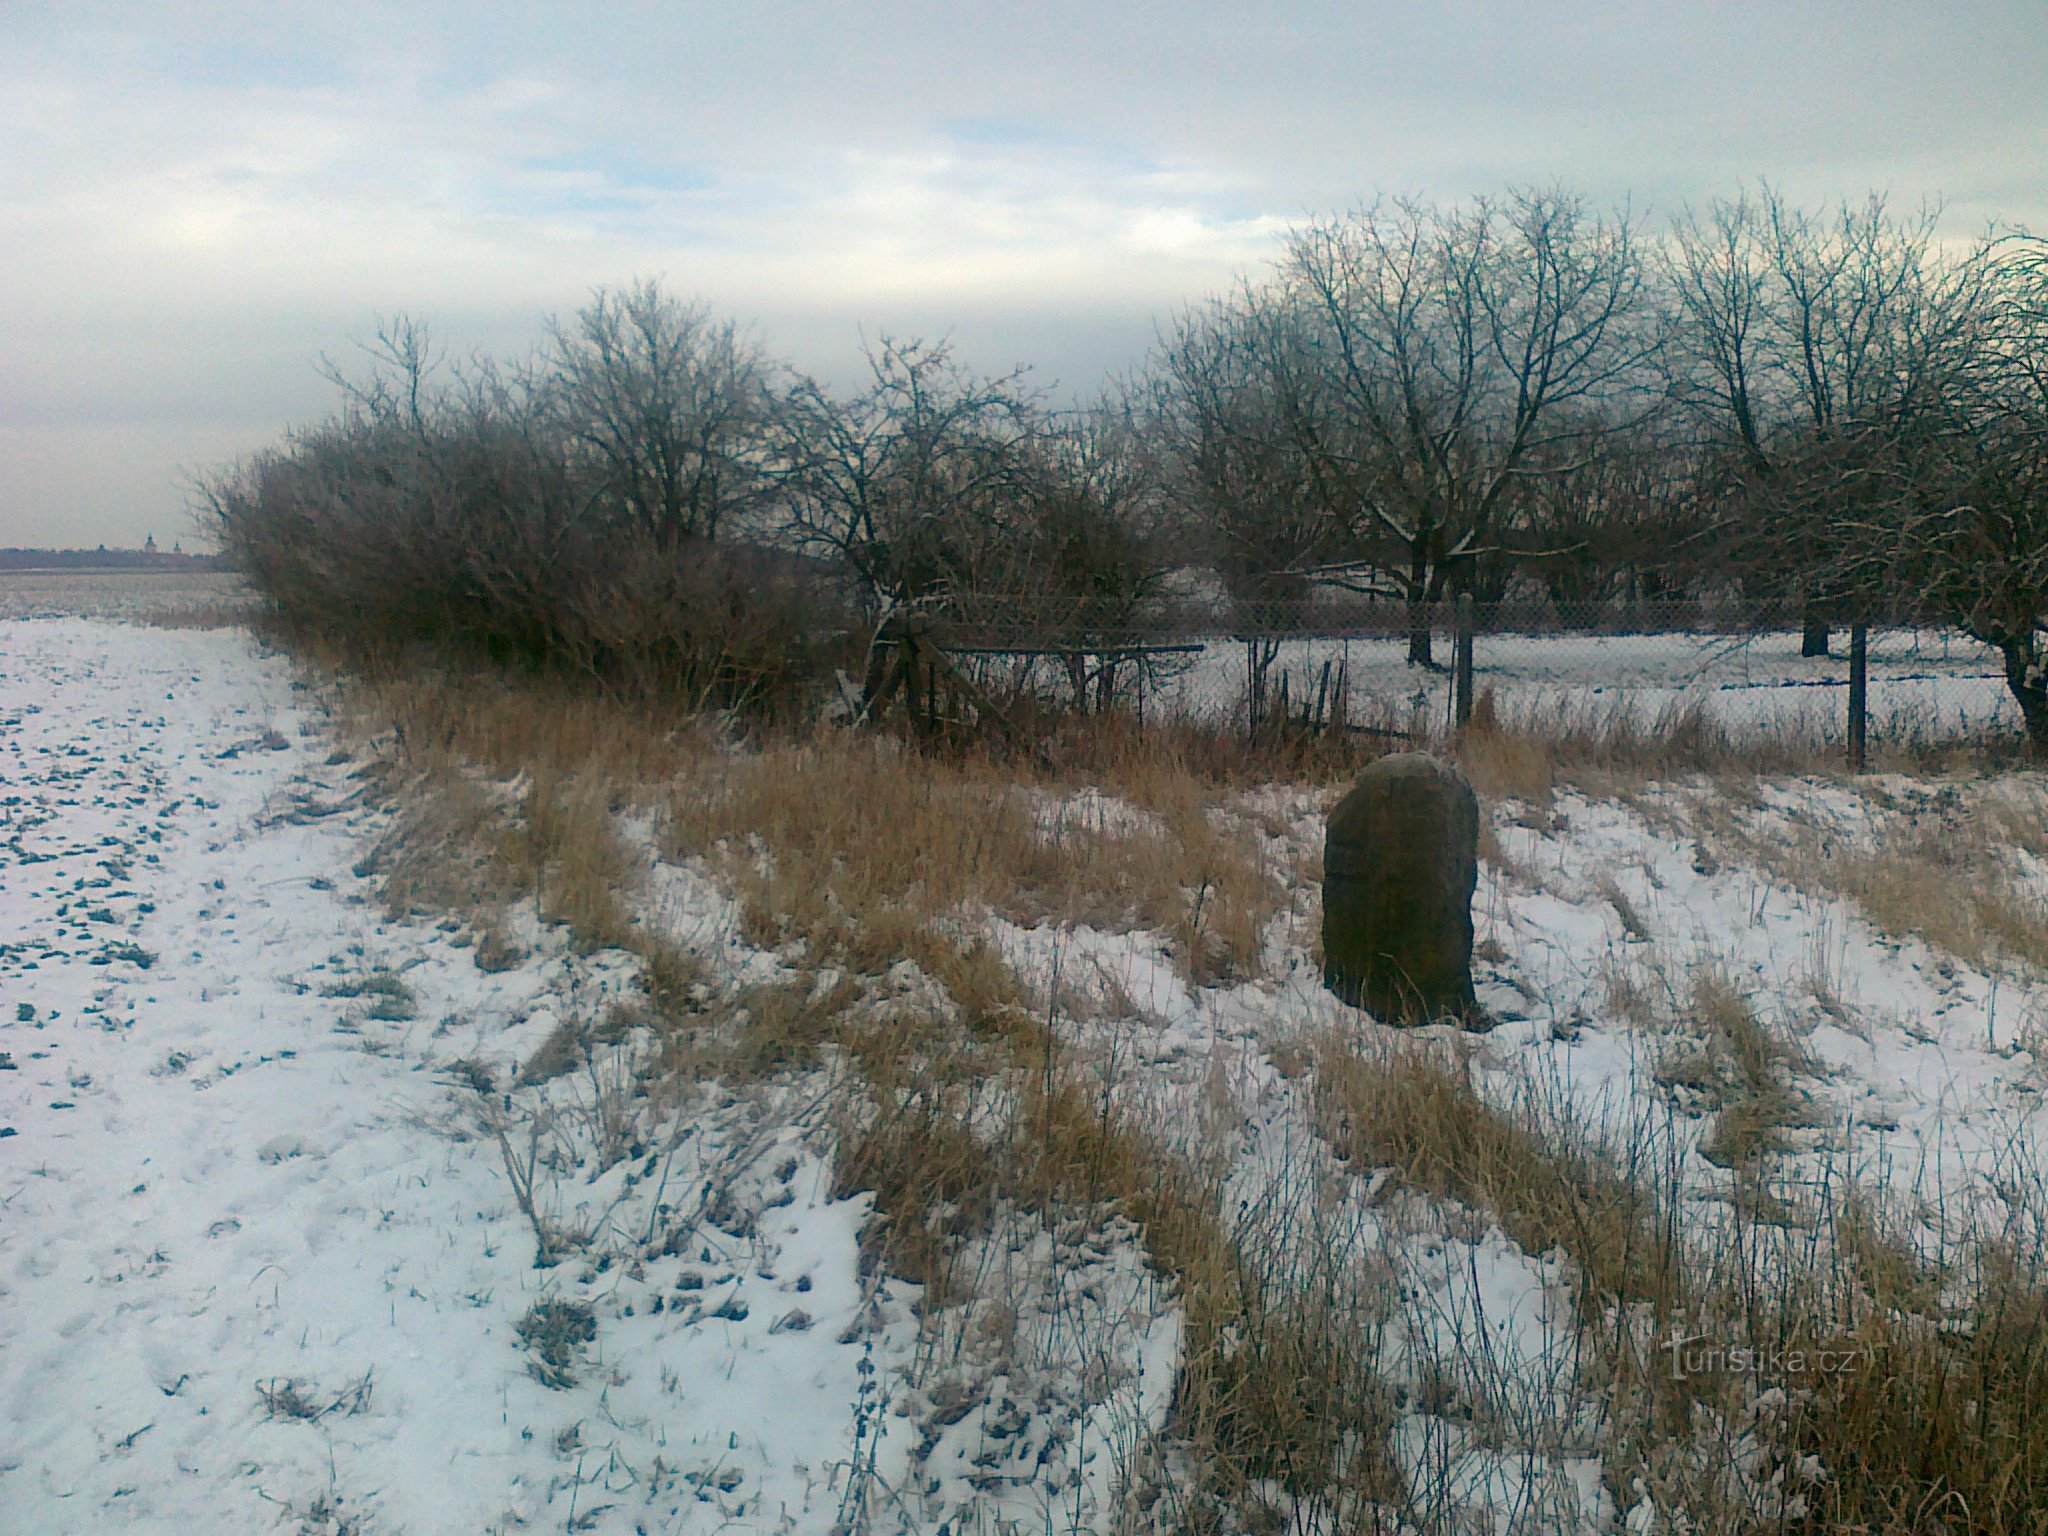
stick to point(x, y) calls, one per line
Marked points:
point(1611, 521)
point(1956, 510)
point(1462, 349)
point(1221, 403)
point(913, 483)
point(1794, 335)
point(671, 405)
point(1095, 522)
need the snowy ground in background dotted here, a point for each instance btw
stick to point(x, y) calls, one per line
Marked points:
point(129, 596)
point(261, 1264)
point(1921, 682)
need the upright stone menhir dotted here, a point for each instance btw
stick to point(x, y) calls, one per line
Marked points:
point(1400, 861)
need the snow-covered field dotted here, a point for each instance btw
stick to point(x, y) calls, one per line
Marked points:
point(261, 1263)
point(1923, 683)
point(272, 1182)
point(132, 596)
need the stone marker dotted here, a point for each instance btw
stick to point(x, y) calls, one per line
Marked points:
point(1400, 860)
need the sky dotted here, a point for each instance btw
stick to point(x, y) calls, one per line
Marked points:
point(199, 201)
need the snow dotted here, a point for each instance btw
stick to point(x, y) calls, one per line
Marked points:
point(1922, 682)
point(274, 1192)
point(264, 1253)
point(1935, 1080)
point(223, 1181)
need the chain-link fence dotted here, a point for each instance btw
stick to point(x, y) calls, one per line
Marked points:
point(1749, 670)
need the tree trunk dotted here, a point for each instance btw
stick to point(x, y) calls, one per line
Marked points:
point(1813, 629)
point(1420, 637)
point(2027, 676)
point(1077, 679)
point(1258, 656)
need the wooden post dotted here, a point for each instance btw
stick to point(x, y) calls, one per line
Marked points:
point(1255, 692)
point(1461, 659)
point(1859, 693)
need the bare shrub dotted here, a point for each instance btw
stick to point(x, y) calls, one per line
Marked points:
point(466, 513)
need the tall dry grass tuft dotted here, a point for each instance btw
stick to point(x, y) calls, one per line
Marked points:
point(862, 851)
point(1612, 748)
point(1822, 1375)
point(1413, 1107)
point(1610, 745)
point(1745, 1071)
point(1831, 1378)
point(1147, 762)
point(1949, 868)
point(508, 725)
point(582, 874)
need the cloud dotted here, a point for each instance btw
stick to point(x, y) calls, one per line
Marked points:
point(196, 201)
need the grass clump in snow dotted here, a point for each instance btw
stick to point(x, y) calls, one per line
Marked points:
point(391, 1000)
point(832, 835)
point(561, 1053)
point(1414, 1109)
point(553, 1333)
point(1746, 1069)
point(289, 1397)
point(1813, 1368)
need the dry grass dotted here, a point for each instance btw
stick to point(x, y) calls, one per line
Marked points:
point(1608, 748)
point(1834, 1379)
point(460, 846)
point(506, 725)
point(569, 850)
point(837, 826)
point(855, 854)
point(1278, 1385)
point(862, 852)
point(1412, 1107)
point(1942, 868)
point(1632, 921)
point(1748, 1066)
point(1613, 748)
point(1715, 1056)
point(1948, 892)
point(1863, 1403)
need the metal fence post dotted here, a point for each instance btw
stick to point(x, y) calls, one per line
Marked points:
point(1461, 660)
point(1859, 693)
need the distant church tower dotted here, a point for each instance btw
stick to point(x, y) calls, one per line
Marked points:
point(149, 545)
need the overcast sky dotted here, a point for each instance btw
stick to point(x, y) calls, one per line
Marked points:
point(197, 200)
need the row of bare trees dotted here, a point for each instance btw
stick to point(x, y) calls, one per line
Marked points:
point(1400, 380)
point(1522, 394)
point(1835, 407)
point(651, 499)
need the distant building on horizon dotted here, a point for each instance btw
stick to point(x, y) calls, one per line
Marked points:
point(147, 558)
